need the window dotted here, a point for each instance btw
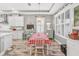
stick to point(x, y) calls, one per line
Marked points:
point(62, 17)
point(67, 14)
point(40, 24)
point(63, 23)
point(63, 29)
point(59, 17)
point(56, 20)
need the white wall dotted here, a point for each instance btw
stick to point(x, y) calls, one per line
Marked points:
point(31, 19)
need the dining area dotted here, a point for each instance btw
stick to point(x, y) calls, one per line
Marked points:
point(37, 45)
point(31, 34)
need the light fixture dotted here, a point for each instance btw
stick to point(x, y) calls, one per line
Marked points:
point(29, 4)
point(48, 26)
point(14, 11)
point(39, 8)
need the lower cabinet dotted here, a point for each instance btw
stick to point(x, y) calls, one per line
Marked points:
point(72, 47)
point(17, 34)
point(1, 45)
point(5, 43)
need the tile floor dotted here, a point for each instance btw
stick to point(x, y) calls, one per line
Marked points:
point(20, 49)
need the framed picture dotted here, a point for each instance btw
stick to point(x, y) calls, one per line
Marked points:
point(30, 26)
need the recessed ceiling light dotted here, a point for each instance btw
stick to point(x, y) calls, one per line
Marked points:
point(13, 9)
point(29, 4)
point(1, 11)
point(39, 3)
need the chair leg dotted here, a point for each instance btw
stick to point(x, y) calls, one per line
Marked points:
point(30, 51)
point(43, 52)
point(47, 49)
point(35, 51)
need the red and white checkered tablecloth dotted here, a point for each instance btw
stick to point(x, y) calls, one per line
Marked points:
point(39, 38)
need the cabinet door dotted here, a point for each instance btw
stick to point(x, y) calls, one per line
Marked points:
point(17, 34)
point(2, 44)
point(72, 47)
point(16, 20)
point(10, 39)
point(19, 21)
point(6, 42)
point(14, 35)
point(11, 21)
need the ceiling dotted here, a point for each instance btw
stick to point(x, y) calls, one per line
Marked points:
point(30, 8)
point(26, 7)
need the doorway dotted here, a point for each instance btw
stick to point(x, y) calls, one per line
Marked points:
point(40, 24)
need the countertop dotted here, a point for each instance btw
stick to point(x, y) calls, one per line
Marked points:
point(4, 34)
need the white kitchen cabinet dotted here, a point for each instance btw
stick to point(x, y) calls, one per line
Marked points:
point(17, 34)
point(2, 19)
point(20, 34)
point(1, 45)
point(72, 47)
point(5, 42)
point(16, 20)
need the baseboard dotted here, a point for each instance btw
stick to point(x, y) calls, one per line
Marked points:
point(58, 42)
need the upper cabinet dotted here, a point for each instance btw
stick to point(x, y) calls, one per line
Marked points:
point(16, 20)
point(3, 18)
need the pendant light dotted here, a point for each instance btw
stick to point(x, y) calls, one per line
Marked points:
point(39, 8)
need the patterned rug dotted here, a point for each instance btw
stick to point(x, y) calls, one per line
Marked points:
point(20, 49)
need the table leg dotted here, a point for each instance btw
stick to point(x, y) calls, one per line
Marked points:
point(30, 50)
point(47, 49)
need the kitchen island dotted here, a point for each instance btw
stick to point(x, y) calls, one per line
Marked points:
point(5, 41)
point(72, 47)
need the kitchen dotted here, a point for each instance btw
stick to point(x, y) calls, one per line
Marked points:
point(19, 21)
